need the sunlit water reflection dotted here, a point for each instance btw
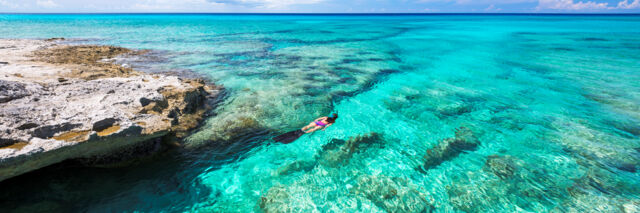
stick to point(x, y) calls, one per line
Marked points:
point(444, 113)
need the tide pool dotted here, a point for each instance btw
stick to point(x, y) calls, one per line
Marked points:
point(443, 113)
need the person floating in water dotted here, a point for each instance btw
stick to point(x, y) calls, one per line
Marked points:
point(320, 123)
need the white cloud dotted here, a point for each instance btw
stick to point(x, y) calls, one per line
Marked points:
point(172, 5)
point(217, 5)
point(315, 5)
point(625, 4)
point(8, 4)
point(429, 1)
point(575, 5)
point(268, 3)
point(477, 2)
point(589, 5)
point(492, 8)
point(46, 3)
point(429, 10)
point(570, 5)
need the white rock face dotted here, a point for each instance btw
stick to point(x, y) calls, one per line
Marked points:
point(47, 117)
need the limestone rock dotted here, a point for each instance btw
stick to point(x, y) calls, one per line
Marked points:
point(97, 114)
point(10, 90)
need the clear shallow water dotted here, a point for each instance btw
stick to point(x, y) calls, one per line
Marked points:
point(549, 106)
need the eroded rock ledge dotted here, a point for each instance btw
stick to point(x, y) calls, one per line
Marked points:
point(60, 102)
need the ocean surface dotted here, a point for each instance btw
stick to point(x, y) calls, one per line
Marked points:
point(443, 113)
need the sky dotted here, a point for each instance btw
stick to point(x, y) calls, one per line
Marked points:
point(320, 6)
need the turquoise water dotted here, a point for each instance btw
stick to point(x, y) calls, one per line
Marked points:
point(547, 107)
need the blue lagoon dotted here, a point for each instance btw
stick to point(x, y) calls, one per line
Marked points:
point(443, 113)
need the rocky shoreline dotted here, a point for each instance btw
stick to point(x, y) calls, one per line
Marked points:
point(61, 102)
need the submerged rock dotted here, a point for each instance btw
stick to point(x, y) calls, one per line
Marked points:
point(449, 148)
point(597, 181)
point(511, 190)
point(623, 160)
point(441, 102)
point(629, 126)
point(339, 152)
point(237, 127)
point(335, 153)
point(522, 191)
point(466, 197)
point(471, 193)
point(297, 166)
point(224, 131)
point(598, 191)
point(277, 199)
point(592, 147)
point(502, 166)
point(392, 194)
point(454, 109)
point(96, 115)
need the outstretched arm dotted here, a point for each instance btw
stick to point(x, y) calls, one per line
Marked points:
point(320, 118)
point(325, 127)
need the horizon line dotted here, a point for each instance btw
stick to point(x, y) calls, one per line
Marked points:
point(276, 13)
point(330, 14)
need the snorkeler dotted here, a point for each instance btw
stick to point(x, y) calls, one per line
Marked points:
point(319, 123)
point(322, 122)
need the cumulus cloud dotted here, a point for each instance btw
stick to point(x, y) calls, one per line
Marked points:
point(570, 5)
point(268, 3)
point(492, 8)
point(172, 5)
point(317, 5)
point(46, 3)
point(626, 5)
point(588, 5)
point(493, 2)
point(477, 2)
point(8, 4)
point(429, 10)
